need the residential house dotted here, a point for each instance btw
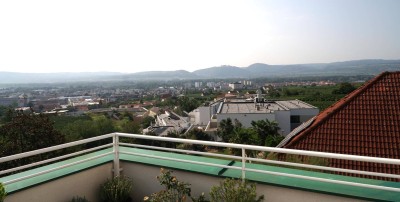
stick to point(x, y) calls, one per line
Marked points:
point(366, 122)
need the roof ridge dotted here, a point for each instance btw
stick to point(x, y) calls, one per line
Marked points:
point(337, 106)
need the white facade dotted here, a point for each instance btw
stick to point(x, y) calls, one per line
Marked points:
point(200, 116)
point(211, 84)
point(198, 84)
point(235, 86)
point(288, 114)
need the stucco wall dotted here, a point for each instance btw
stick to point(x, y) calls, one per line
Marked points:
point(86, 183)
point(145, 183)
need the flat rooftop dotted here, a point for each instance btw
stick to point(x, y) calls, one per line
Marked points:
point(267, 107)
point(295, 104)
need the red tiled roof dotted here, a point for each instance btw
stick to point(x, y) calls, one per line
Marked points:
point(366, 122)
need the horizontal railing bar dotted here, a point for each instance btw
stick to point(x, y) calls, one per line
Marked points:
point(326, 180)
point(184, 161)
point(209, 143)
point(53, 148)
point(182, 151)
point(269, 149)
point(274, 173)
point(54, 159)
point(56, 168)
point(325, 168)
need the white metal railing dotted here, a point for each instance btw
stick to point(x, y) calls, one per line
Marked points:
point(243, 158)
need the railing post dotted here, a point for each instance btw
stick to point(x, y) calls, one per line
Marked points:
point(116, 154)
point(243, 164)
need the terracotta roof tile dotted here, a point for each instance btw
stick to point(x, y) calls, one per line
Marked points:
point(366, 122)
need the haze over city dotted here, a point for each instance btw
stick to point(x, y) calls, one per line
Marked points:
point(134, 36)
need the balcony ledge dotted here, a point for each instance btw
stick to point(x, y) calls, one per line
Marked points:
point(281, 181)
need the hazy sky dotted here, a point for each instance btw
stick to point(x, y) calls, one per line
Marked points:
point(132, 36)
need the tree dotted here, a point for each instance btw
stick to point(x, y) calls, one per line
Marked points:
point(197, 134)
point(147, 121)
point(27, 132)
point(225, 129)
point(8, 115)
point(266, 130)
point(187, 104)
point(128, 126)
point(344, 88)
point(235, 190)
point(104, 125)
point(243, 136)
point(41, 108)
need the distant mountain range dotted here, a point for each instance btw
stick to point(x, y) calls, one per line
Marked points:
point(257, 70)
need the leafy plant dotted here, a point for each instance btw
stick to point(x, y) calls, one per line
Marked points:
point(175, 190)
point(231, 190)
point(2, 192)
point(116, 190)
point(79, 199)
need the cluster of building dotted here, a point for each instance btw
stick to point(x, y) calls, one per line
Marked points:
point(288, 114)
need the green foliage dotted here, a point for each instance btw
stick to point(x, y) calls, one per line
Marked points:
point(27, 132)
point(289, 92)
point(175, 191)
point(79, 199)
point(319, 96)
point(2, 192)
point(344, 88)
point(267, 132)
point(61, 121)
point(225, 129)
point(128, 126)
point(7, 114)
point(147, 121)
point(197, 134)
point(185, 103)
point(310, 160)
point(262, 132)
point(273, 140)
point(243, 136)
point(231, 190)
point(82, 129)
point(117, 189)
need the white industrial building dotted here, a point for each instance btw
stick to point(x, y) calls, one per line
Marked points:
point(288, 114)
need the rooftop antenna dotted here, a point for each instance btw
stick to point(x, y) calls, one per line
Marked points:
point(259, 101)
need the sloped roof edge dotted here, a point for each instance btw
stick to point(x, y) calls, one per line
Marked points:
point(333, 109)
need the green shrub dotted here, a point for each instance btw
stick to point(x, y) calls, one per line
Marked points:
point(231, 190)
point(79, 199)
point(175, 190)
point(2, 192)
point(116, 190)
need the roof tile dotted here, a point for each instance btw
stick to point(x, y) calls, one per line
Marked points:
point(366, 122)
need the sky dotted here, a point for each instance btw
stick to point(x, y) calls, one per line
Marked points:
point(149, 35)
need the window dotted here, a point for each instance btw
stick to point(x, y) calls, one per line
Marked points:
point(294, 119)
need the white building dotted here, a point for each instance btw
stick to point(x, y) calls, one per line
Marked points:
point(247, 83)
point(236, 86)
point(198, 84)
point(210, 84)
point(288, 114)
